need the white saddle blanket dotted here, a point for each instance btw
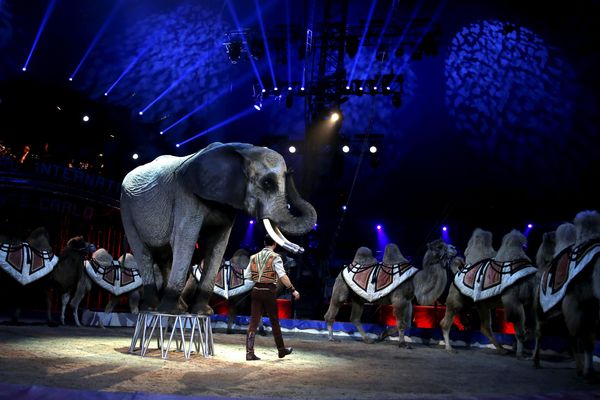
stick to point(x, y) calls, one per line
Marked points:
point(229, 280)
point(114, 278)
point(488, 278)
point(25, 264)
point(564, 267)
point(372, 282)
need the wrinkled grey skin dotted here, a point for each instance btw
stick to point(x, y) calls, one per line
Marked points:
point(171, 203)
point(579, 306)
point(517, 300)
point(426, 286)
point(67, 273)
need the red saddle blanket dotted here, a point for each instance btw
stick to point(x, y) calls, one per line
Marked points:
point(488, 278)
point(24, 263)
point(229, 280)
point(372, 282)
point(564, 267)
point(114, 278)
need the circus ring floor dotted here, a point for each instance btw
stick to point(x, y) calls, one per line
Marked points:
point(40, 362)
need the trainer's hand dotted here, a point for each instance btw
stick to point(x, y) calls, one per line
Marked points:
point(296, 295)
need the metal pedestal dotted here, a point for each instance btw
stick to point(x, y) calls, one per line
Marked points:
point(191, 333)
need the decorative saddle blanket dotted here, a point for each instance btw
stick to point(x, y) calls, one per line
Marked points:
point(24, 263)
point(229, 280)
point(114, 278)
point(564, 267)
point(488, 278)
point(372, 282)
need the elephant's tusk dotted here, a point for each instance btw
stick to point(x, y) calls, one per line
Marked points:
point(278, 237)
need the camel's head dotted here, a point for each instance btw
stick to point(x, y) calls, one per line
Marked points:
point(437, 251)
point(39, 239)
point(392, 255)
point(79, 244)
point(364, 256)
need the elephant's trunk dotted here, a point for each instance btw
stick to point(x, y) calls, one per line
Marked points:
point(302, 216)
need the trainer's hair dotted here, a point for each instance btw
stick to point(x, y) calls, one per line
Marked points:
point(268, 241)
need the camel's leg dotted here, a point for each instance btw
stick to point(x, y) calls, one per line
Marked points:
point(485, 317)
point(355, 314)
point(231, 313)
point(515, 313)
point(538, 338)
point(330, 315)
point(454, 305)
point(110, 306)
point(403, 312)
point(83, 286)
point(64, 300)
point(48, 294)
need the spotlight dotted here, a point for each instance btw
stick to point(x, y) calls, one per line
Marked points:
point(302, 88)
point(160, 133)
point(85, 118)
point(135, 156)
point(275, 88)
point(177, 145)
point(346, 149)
point(251, 222)
point(258, 102)
point(141, 113)
point(335, 116)
point(373, 149)
point(344, 208)
point(234, 51)
point(289, 88)
point(445, 228)
point(24, 69)
point(529, 226)
point(263, 90)
point(347, 87)
point(379, 227)
point(315, 227)
point(388, 88)
point(71, 79)
point(292, 149)
point(106, 93)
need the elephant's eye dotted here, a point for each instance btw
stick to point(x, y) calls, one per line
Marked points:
point(269, 184)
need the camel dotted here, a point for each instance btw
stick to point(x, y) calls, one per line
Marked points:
point(570, 285)
point(27, 263)
point(507, 278)
point(67, 272)
point(405, 283)
point(100, 266)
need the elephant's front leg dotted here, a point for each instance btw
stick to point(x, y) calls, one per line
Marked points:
point(183, 248)
point(215, 243)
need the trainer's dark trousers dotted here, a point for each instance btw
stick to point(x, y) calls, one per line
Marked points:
point(264, 299)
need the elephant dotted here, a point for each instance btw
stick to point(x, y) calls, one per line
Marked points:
point(67, 273)
point(573, 292)
point(104, 262)
point(170, 203)
point(425, 285)
point(507, 279)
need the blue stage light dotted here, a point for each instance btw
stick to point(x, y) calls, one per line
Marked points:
point(379, 227)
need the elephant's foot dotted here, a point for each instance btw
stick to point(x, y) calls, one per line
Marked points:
point(172, 304)
point(451, 350)
point(368, 340)
point(502, 351)
point(404, 345)
point(150, 299)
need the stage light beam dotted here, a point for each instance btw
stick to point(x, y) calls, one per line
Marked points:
point(47, 14)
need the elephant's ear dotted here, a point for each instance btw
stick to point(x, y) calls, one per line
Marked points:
point(216, 174)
